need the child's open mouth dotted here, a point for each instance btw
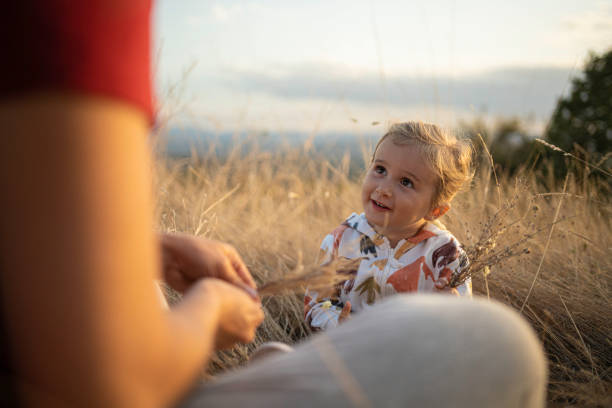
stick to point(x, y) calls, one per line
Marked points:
point(379, 206)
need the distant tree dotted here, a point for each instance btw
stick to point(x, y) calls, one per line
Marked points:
point(512, 147)
point(477, 131)
point(508, 141)
point(582, 121)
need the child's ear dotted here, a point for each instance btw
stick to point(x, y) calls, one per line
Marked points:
point(437, 211)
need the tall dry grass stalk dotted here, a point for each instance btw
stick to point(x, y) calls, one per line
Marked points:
point(275, 207)
point(321, 279)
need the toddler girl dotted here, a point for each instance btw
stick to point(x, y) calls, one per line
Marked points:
point(396, 243)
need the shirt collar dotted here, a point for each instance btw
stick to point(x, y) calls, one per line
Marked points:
point(424, 233)
point(360, 223)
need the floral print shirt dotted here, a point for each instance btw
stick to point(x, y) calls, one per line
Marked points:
point(412, 266)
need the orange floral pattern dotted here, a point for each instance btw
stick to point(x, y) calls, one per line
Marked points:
point(407, 278)
point(414, 265)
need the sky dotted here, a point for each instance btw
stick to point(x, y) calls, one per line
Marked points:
point(322, 66)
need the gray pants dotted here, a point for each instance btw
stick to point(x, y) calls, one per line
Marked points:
point(410, 351)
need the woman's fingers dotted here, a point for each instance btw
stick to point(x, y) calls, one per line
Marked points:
point(196, 258)
point(240, 315)
point(240, 269)
point(228, 338)
point(250, 291)
point(176, 280)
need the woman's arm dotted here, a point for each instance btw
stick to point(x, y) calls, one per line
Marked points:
point(78, 255)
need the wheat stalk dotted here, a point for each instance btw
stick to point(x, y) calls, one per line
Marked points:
point(321, 279)
point(550, 232)
point(558, 149)
point(484, 253)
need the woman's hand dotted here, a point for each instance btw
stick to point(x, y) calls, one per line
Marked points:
point(239, 314)
point(442, 285)
point(187, 259)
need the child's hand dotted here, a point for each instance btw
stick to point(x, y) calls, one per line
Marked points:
point(186, 259)
point(442, 285)
point(345, 313)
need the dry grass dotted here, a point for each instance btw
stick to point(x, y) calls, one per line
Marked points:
point(275, 208)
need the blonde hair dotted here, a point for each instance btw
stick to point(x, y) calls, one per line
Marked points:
point(448, 156)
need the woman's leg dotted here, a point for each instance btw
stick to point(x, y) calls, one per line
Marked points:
point(410, 351)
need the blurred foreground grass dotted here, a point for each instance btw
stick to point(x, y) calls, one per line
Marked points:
point(275, 207)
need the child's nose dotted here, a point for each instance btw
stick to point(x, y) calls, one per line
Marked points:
point(383, 189)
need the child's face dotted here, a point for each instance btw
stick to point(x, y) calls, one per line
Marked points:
point(397, 191)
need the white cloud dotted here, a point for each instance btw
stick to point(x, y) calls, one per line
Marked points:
point(224, 13)
point(591, 26)
point(508, 91)
point(195, 20)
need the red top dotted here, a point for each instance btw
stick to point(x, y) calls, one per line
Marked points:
point(93, 46)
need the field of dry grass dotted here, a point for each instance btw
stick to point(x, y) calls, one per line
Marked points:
point(275, 207)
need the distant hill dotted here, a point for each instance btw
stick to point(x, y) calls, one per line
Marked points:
point(183, 142)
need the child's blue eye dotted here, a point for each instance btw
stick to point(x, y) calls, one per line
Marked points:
point(406, 182)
